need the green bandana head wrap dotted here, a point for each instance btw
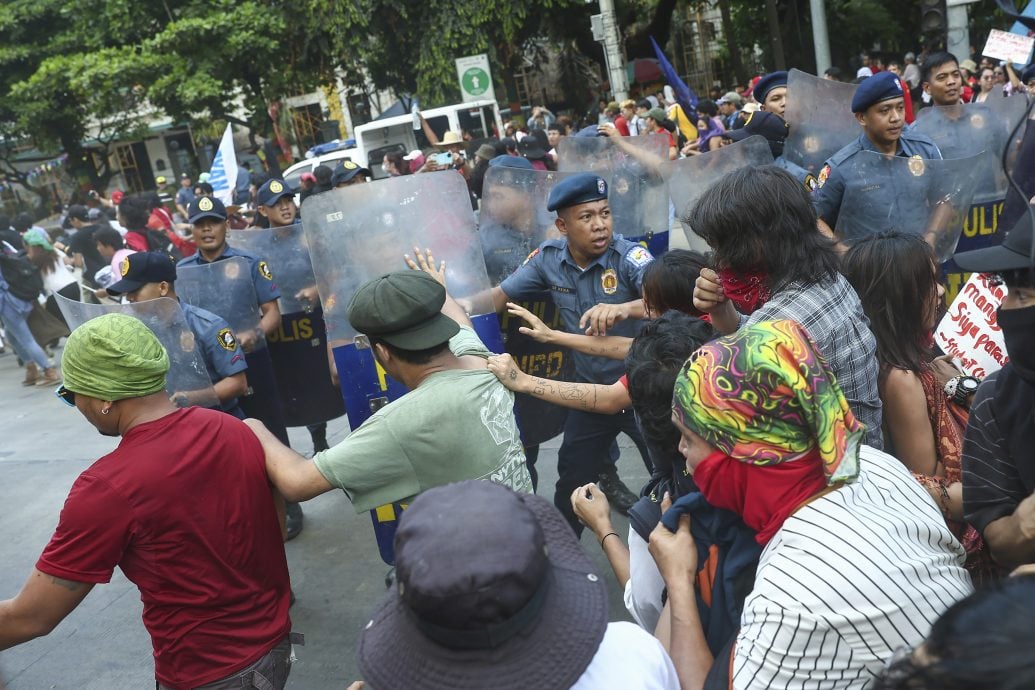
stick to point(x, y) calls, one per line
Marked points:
point(114, 357)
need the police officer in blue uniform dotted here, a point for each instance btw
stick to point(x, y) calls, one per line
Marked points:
point(594, 278)
point(770, 92)
point(150, 275)
point(774, 129)
point(509, 228)
point(207, 217)
point(879, 107)
point(348, 173)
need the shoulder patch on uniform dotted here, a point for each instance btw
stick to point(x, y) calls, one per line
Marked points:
point(639, 256)
point(823, 175)
point(535, 252)
point(810, 183)
point(226, 339)
point(264, 270)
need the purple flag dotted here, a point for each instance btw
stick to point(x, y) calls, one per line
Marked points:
point(685, 96)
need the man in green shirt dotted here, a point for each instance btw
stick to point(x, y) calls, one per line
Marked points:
point(457, 421)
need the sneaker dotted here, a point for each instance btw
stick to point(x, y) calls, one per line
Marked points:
point(294, 520)
point(618, 494)
point(50, 378)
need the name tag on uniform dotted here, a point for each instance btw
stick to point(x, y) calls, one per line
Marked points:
point(558, 288)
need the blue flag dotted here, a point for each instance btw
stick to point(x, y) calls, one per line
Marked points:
point(685, 96)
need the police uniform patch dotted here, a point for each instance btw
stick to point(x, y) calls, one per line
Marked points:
point(639, 257)
point(205, 204)
point(276, 187)
point(124, 267)
point(810, 183)
point(264, 271)
point(823, 175)
point(530, 256)
point(609, 281)
point(916, 165)
point(227, 340)
point(348, 165)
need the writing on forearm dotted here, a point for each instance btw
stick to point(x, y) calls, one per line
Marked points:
point(586, 396)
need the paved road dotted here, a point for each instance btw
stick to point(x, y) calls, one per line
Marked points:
point(336, 572)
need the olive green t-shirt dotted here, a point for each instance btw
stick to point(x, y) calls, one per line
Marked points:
point(456, 425)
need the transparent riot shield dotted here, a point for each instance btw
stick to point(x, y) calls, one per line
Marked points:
point(287, 254)
point(962, 131)
point(688, 178)
point(923, 197)
point(299, 347)
point(188, 381)
point(819, 112)
point(225, 288)
point(513, 222)
point(361, 232)
point(634, 169)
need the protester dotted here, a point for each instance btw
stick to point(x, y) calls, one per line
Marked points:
point(494, 591)
point(896, 277)
point(654, 119)
point(395, 164)
point(424, 340)
point(59, 275)
point(20, 285)
point(762, 227)
point(982, 641)
point(998, 482)
point(215, 600)
point(81, 245)
point(857, 561)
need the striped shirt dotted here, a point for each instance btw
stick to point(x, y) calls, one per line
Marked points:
point(832, 314)
point(848, 579)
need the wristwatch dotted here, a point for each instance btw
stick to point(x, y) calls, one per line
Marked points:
point(959, 388)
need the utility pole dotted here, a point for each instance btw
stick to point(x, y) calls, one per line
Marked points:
point(820, 39)
point(605, 30)
point(957, 38)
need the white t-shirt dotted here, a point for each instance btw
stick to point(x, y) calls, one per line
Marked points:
point(848, 579)
point(629, 658)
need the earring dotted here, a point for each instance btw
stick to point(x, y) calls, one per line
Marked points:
point(106, 411)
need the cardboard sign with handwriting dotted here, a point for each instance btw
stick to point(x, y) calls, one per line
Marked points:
point(969, 331)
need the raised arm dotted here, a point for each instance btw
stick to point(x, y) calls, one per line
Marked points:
point(588, 397)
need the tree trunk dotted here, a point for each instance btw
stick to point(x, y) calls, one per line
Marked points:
point(736, 60)
point(775, 36)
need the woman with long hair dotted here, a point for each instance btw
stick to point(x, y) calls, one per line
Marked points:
point(896, 277)
point(55, 267)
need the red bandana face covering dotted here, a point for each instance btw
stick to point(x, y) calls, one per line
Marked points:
point(763, 495)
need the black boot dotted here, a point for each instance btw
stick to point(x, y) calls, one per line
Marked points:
point(619, 495)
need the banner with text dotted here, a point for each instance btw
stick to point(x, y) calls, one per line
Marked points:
point(969, 332)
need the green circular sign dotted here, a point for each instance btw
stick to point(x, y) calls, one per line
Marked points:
point(475, 81)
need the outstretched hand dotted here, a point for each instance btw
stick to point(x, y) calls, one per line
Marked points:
point(536, 329)
point(599, 319)
point(425, 261)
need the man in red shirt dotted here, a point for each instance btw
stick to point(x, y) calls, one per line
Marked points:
point(183, 506)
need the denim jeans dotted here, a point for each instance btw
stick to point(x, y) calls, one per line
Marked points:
point(268, 673)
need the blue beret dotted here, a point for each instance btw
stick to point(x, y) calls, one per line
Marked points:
point(577, 189)
point(510, 162)
point(767, 84)
point(879, 87)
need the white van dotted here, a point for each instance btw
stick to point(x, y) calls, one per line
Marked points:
point(480, 119)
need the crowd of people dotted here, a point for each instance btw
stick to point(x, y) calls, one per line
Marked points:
point(832, 502)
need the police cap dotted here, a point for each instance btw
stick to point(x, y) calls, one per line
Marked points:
point(766, 124)
point(272, 191)
point(768, 83)
point(206, 207)
point(1013, 254)
point(519, 162)
point(345, 171)
point(404, 309)
point(141, 268)
point(882, 86)
point(577, 189)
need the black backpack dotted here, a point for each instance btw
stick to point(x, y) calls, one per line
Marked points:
point(23, 279)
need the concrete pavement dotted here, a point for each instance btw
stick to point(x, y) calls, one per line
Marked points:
point(337, 575)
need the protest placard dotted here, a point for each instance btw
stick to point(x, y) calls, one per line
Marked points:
point(1003, 45)
point(969, 331)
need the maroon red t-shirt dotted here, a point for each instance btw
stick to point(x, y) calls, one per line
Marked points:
point(183, 506)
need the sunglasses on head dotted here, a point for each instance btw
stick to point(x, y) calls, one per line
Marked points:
point(66, 396)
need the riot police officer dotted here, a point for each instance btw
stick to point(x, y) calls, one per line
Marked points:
point(774, 129)
point(151, 275)
point(879, 107)
point(208, 219)
point(594, 278)
point(771, 92)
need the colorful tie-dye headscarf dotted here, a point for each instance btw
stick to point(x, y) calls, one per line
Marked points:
point(765, 395)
